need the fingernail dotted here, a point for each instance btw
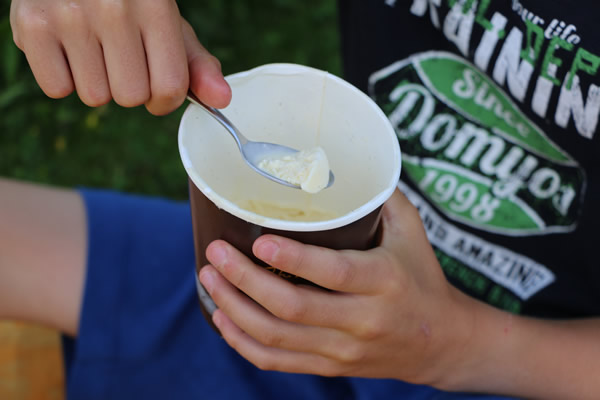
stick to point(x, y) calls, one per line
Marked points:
point(267, 250)
point(218, 256)
point(207, 279)
point(216, 317)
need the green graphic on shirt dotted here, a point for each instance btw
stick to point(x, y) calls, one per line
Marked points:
point(472, 152)
point(468, 199)
point(473, 94)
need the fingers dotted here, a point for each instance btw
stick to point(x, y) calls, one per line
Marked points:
point(281, 298)
point(206, 78)
point(43, 50)
point(271, 358)
point(344, 271)
point(86, 60)
point(136, 52)
point(166, 56)
point(124, 53)
point(266, 328)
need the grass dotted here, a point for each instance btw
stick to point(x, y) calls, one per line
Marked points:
point(63, 142)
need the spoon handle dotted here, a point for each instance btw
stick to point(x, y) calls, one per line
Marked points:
point(240, 139)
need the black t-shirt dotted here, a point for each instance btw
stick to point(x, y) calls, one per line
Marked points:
point(496, 105)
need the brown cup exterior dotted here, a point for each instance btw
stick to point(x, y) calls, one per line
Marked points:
point(211, 223)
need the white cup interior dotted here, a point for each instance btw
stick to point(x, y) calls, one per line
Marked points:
point(299, 107)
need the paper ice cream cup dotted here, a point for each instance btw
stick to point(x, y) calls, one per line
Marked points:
point(299, 107)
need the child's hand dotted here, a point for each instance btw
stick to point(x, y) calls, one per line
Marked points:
point(133, 51)
point(391, 312)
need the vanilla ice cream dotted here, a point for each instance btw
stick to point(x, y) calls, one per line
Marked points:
point(307, 168)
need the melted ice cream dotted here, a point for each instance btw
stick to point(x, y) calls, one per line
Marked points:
point(307, 168)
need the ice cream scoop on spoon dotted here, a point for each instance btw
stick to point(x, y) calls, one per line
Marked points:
point(307, 169)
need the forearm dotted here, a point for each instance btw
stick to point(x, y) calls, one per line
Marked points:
point(528, 357)
point(42, 254)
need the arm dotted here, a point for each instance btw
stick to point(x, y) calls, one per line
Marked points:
point(43, 243)
point(532, 358)
point(135, 52)
point(392, 314)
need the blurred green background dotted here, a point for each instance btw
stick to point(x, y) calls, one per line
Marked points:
point(63, 142)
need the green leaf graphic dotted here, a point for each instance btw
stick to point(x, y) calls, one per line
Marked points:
point(470, 200)
point(478, 98)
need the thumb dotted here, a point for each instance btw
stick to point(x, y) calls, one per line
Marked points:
point(403, 234)
point(401, 222)
point(206, 79)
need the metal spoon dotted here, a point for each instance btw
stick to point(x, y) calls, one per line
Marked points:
point(252, 152)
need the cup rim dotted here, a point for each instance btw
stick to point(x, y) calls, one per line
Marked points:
point(274, 223)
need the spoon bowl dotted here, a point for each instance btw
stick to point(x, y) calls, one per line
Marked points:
point(252, 152)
